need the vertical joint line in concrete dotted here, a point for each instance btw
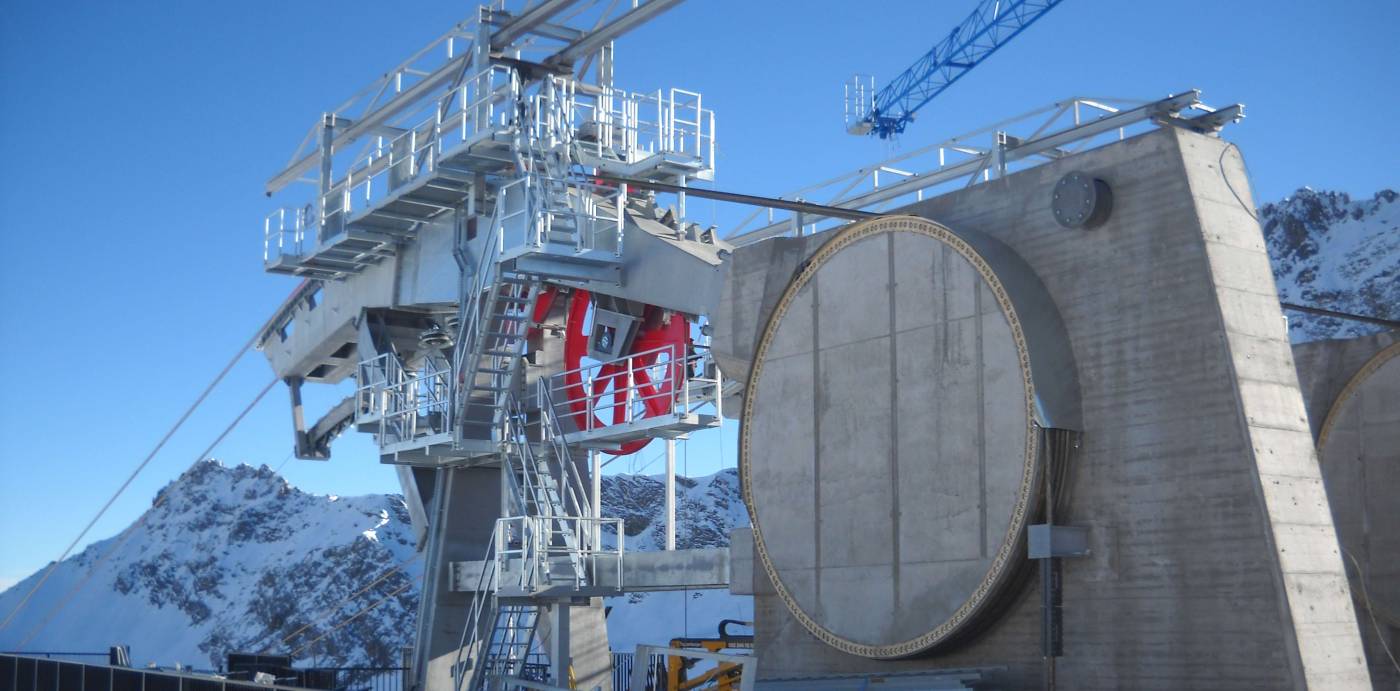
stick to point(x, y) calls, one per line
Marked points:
point(817, 444)
point(894, 426)
point(981, 414)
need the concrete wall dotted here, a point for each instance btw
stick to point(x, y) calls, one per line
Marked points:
point(1215, 563)
point(1353, 388)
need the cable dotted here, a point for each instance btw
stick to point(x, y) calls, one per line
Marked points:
point(131, 530)
point(161, 444)
point(1220, 165)
point(1306, 309)
point(1366, 598)
point(351, 618)
point(284, 462)
point(330, 611)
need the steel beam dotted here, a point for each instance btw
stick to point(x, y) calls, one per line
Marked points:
point(1163, 110)
point(595, 40)
point(520, 25)
point(374, 120)
point(737, 198)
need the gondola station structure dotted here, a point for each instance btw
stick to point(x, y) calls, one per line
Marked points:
point(1016, 410)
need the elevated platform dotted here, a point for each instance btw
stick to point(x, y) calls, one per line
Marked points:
point(665, 427)
point(695, 569)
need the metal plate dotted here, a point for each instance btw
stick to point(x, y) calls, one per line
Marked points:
point(1081, 201)
point(888, 451)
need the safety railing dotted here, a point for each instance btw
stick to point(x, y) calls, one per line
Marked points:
point(633, 126)
point(652, 383)
point(996, 150)
point(552, 434)
point(472, 636)
point(482, 104)
point(284, 233)
point(406, 404)
point(536, 208)
point(552, 488)
point(373, 379)
point(526, 546)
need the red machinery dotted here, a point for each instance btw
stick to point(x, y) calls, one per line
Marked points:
point(662, 333)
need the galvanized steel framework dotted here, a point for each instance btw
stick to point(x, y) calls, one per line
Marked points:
point(512, 117)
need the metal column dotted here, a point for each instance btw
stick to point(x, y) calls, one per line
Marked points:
point(670, 494)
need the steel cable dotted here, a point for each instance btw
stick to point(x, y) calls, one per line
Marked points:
point(131, 530)
point(351, 618)
point(331, 610)
point(161, 444)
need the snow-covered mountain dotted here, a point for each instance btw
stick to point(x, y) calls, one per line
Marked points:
point(1333, 252)
point(235, 558)
point(707, 509)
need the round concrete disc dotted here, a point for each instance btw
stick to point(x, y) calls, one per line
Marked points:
point(1359, 448)
point(887, 447)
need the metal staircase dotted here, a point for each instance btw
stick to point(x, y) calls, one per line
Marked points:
point(544, 553)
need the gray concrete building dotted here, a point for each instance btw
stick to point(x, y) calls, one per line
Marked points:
point(909, 379)
point(1352, 391)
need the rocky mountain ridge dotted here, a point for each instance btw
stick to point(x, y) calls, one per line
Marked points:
point(1337, 253)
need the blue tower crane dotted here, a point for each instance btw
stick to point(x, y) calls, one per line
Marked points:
point(989, 27)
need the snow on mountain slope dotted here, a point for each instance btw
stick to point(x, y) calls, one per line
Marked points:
point(1332, 252)
point(707, 509)
point(232, 559)
point(237, 559)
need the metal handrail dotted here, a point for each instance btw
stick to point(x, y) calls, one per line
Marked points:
point(681, 125)
point(288, 237)
point(553, 434)
point(397, 398)
point(687, 391)
point(418, 149)
point(372, 379)
point(485, 590)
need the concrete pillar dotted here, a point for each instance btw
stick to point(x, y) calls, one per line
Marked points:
point(465, 506)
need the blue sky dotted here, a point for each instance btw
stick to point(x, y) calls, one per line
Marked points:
point(138, 135)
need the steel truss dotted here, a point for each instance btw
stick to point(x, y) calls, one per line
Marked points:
point(1048, 133)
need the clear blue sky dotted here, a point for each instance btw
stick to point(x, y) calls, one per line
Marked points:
point(137, 137)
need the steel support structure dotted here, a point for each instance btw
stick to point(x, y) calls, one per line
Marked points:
point(957, 159)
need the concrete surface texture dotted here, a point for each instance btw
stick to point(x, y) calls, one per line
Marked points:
point(1353, 392)
point(891, 452)
point(464, 509)
point(1214, 558)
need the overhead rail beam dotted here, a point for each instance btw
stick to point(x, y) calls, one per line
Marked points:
point(986, 161)
point(594, 40)
point(522, 24)
point(798, 205)
point(372, 121)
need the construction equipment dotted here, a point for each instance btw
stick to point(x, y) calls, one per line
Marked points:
point(724, 676)
point(990, 26)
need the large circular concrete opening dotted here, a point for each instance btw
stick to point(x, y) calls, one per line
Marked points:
point(888, 447)
point(1359, 450)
